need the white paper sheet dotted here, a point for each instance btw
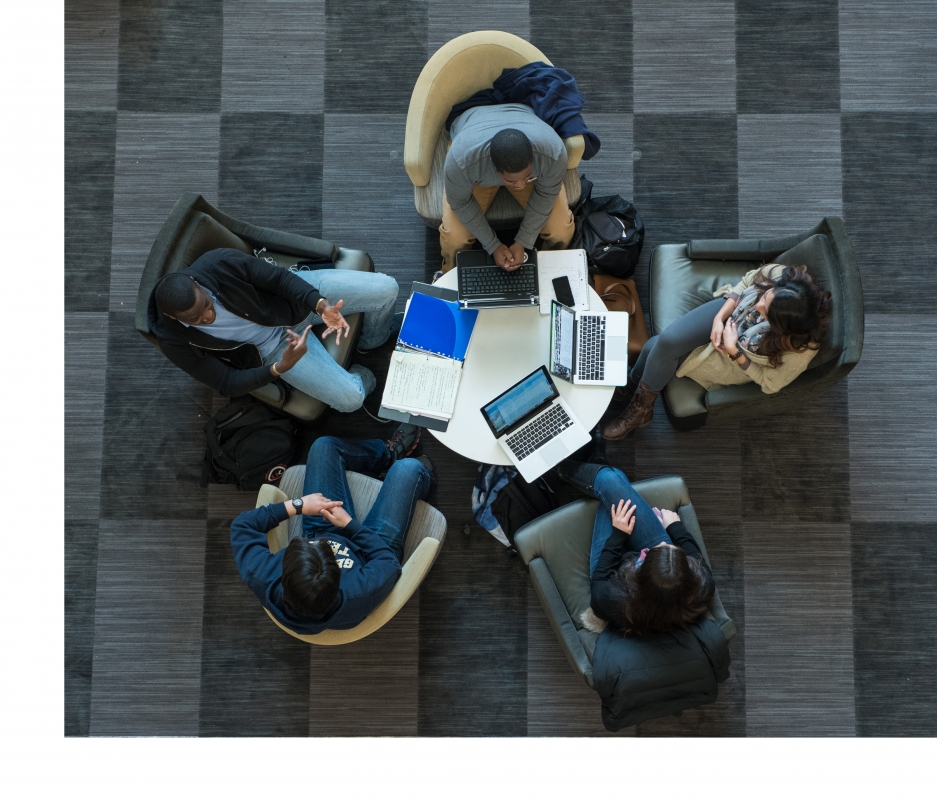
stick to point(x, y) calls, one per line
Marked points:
point(553, 264)
point(422, 384)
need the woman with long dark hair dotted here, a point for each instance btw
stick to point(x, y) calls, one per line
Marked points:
point(766, 329)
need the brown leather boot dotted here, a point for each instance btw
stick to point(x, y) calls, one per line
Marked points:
point(639, 413)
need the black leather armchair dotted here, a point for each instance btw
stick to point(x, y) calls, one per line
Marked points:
point(195, 226)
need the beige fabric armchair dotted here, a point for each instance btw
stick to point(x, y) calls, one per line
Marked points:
point(456, 71)
point(424, 539)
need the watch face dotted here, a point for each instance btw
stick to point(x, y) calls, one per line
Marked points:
point(298, 503)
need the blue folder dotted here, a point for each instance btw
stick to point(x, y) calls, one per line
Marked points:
point(437, 326)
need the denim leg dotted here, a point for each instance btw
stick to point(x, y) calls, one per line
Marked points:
point(675, 342)
point(407, 481)
point(609, 487)
point(637, 371)
point(373, 293)
point(328, 459)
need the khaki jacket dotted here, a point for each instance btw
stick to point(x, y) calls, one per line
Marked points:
point(713, 370)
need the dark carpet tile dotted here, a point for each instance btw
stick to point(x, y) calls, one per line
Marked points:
point(170, 56)
point(154, 416)
point(255, 678)
point(90, 139)
point(787, 56)
point(447, 20)
point(890, 174)
point(594, 44)
point(81, 564)
point(373, 55)
point(270, 170)
point(796, 465)
point(894, 585)
point(612, 170)
point(91, 34)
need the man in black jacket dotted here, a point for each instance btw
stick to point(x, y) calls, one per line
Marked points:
point(236, 322)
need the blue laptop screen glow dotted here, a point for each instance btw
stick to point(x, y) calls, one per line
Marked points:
point(520, 400)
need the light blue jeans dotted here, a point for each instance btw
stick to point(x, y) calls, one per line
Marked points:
point(316, 373)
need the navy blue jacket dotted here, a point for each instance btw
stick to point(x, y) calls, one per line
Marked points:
point(550, 91)
point(369, 570)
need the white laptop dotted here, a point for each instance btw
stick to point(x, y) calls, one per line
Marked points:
point(589, 347)
point(534, 426)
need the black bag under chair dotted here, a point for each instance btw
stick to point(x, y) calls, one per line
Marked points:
point(248, 444)
point(520, 502)
point(610, 230)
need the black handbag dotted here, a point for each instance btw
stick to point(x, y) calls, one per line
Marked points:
point(610, 230)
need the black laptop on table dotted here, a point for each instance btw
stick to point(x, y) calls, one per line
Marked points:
point(483, 284)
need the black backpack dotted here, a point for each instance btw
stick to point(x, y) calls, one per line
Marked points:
point(519, 502)
point(249, 444)
point(610, 230)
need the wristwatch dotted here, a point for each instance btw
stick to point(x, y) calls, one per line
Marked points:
point(297, 503)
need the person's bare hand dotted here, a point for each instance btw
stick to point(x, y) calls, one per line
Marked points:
point(716, 335)
point(295, 349)
point(730, 338)
point(339, 517)
point(337, 324)
point(517, 250)
point(315, 503)
point(666, 516)
point(504, 258)
point(623, 516)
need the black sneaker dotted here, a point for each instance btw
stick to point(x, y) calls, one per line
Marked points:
point(404, 441)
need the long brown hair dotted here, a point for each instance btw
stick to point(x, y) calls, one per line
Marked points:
point(668, 591)
point(798, 315)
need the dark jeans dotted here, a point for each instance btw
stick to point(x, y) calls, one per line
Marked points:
point(662, 355)
point(407, 481)
point(609, 485)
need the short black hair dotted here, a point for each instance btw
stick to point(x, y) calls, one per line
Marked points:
point(511, 151)
point(310, 576)
point(175, 293)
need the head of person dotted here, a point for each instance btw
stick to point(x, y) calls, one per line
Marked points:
point(311, 576)
point(668, 591)
point(512, 157)
point(180, 297)
point(798, 311)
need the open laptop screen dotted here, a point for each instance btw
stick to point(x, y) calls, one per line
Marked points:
point(520, 400)
point(561, 341)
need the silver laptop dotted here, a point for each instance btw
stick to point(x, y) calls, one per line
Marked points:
point(589, 347)
point(533, 424)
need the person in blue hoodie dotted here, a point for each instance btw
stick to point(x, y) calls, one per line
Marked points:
point(341, 568)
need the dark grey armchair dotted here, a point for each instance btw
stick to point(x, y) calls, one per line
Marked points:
point(195, 226)
point(684, 276)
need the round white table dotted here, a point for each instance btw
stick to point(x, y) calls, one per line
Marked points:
point(507, 344)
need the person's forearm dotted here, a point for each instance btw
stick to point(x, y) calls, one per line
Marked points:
point(728, 307)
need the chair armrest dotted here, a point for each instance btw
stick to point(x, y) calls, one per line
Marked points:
point(292, 244)
point(279, 537)
point(575, 147)
point(747, 249)
point(560, 621)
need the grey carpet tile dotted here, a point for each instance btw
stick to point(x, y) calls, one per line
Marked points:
point(91, 39)
point(890, 173)
point(787, 56)
point(373, 54)
point(153, 432)
point(684, 56)
point(593, 42)
point(686, 180)
point(559, 703)
point(148, 628)
point(888, 55)
point(893, 422)
point(273, 57)
point(368, 687)
point(170, 56)
point(447, 19)
point(158, 157)
point(90, 138)
point(612, 169)
point(894, 585)
point(85, 370)
point(798, 628)
point(367, 198)
point(254, 678)
point(790, 172)
point(270, 170)
point(787, 458)
point(81, 564)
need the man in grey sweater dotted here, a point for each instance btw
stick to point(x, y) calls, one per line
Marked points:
point(504, 145)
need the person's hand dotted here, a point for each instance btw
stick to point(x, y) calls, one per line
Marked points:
point(295, 350)
point(623, 516)
point(715, 335)
point(339, 517)
point(314, 503)
point(730, 338)
point(504, 258)
point(517, 250)
point(666, 516)
point(337, 324)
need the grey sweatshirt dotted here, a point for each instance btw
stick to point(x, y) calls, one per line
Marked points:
point(469, 163)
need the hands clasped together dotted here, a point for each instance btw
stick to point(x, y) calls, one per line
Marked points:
point(623, 516)
point(509, 258)
point(329, 510)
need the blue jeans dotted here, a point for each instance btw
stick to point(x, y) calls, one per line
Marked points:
point(609, 486)
point(316, 373)
point(407, 481)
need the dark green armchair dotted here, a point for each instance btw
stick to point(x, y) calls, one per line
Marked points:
point(684, 276)
point(195, 226)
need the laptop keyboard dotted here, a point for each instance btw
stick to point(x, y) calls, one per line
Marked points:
point(591, 355)
point(475, 281)
point(547, 426)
